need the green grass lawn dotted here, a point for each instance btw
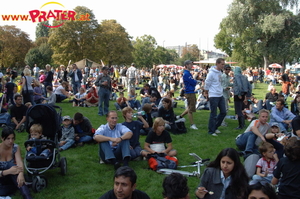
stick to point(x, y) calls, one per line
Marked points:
point(86, 178)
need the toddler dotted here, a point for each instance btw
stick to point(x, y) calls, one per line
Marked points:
point(68, 134)
point(265, 165)
point(36, 133)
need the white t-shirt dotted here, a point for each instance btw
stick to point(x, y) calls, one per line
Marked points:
point(262, 128)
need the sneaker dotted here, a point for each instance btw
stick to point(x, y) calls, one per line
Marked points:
point(193, 127)
point(178, 117)
point(214, 134)
point(101, 161)
point(217, 131)
point(180, 120)
point(224, 124)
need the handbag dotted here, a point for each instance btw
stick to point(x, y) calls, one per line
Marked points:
point(25, 92)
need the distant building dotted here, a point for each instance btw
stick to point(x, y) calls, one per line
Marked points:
point(204, 53)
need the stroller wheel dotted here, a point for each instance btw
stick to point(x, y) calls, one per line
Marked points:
point(63, 166)
point(39, 183)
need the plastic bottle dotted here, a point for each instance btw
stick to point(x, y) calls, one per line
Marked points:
point(140, 113)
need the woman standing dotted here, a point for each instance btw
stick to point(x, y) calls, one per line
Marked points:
point(27, 90)
point(224, 178)
point(11, 166)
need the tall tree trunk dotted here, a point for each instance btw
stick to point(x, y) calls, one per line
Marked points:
point(266, 62)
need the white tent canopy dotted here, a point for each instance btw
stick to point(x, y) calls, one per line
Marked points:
point(81, 64)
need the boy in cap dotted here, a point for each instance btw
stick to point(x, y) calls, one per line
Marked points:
point(68, 135)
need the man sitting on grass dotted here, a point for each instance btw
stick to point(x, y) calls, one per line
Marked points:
point(113, 141)
point(124, 186)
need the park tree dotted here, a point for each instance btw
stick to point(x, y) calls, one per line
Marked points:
point(256, 31)
point(144, 48)
point(75, 40)
point(40, 55)
point(14, 44)
point(189, 52)
point(164, 56)
point(42, 30)
point(113, 43)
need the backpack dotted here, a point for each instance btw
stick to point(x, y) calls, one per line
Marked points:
point(180, 128)
point(161, 161)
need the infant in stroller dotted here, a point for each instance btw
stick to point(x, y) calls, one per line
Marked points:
point(37, 148)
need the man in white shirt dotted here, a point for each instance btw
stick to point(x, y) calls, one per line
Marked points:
point(213, 86)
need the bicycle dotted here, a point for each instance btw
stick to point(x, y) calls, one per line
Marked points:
point(197, 164)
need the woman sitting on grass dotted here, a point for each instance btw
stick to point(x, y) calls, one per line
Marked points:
point(225, 177)
point(11, 166)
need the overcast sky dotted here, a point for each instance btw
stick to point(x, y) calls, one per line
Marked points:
point(170, 22)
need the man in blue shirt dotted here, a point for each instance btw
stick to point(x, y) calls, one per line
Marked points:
point(281, 115)
point(113, 141)
point(189, 92)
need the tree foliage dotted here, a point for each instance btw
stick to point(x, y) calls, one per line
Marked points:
point(14, 44)
point(40, 55)
point(256, 31)
point(113, 43)
point(75, 40)
point(144, 48)
point(41, 30)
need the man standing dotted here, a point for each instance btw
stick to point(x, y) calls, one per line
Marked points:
point(213, 86)
point(154, 76)
point(286, 83)
point(18, 114)
point(113, 138)
point(132, 76)
point(124, 186)
point(124, 78)
point(103, 81)
point(189, 92)
point(49, 78)
point(281, 115)
point(76, 77)
point(248, 141)
point(226, 84)
point(36, 71)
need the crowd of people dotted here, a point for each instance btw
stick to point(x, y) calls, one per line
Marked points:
point(119, 143)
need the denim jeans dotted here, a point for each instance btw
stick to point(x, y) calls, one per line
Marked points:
point(135, 152)
point(76, 86)
point(246, 142)
point(214, 120)
point(155, 81)
point(104, 95)
point(120, 107)
point(107, 153)
point(68, 144)
point(85, 138)
point(135, 104)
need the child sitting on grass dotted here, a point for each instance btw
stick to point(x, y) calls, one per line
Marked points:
point(158, 140)
point(265, 165)
point(121, 102)
point(68, 134)
point(36, 133)
point(148, 117)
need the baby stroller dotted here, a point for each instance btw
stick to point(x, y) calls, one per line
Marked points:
point(50, 119)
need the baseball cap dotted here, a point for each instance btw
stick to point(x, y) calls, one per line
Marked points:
point(275, 124)
point(227, 66)
point(187, 62)
point(66, 118)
